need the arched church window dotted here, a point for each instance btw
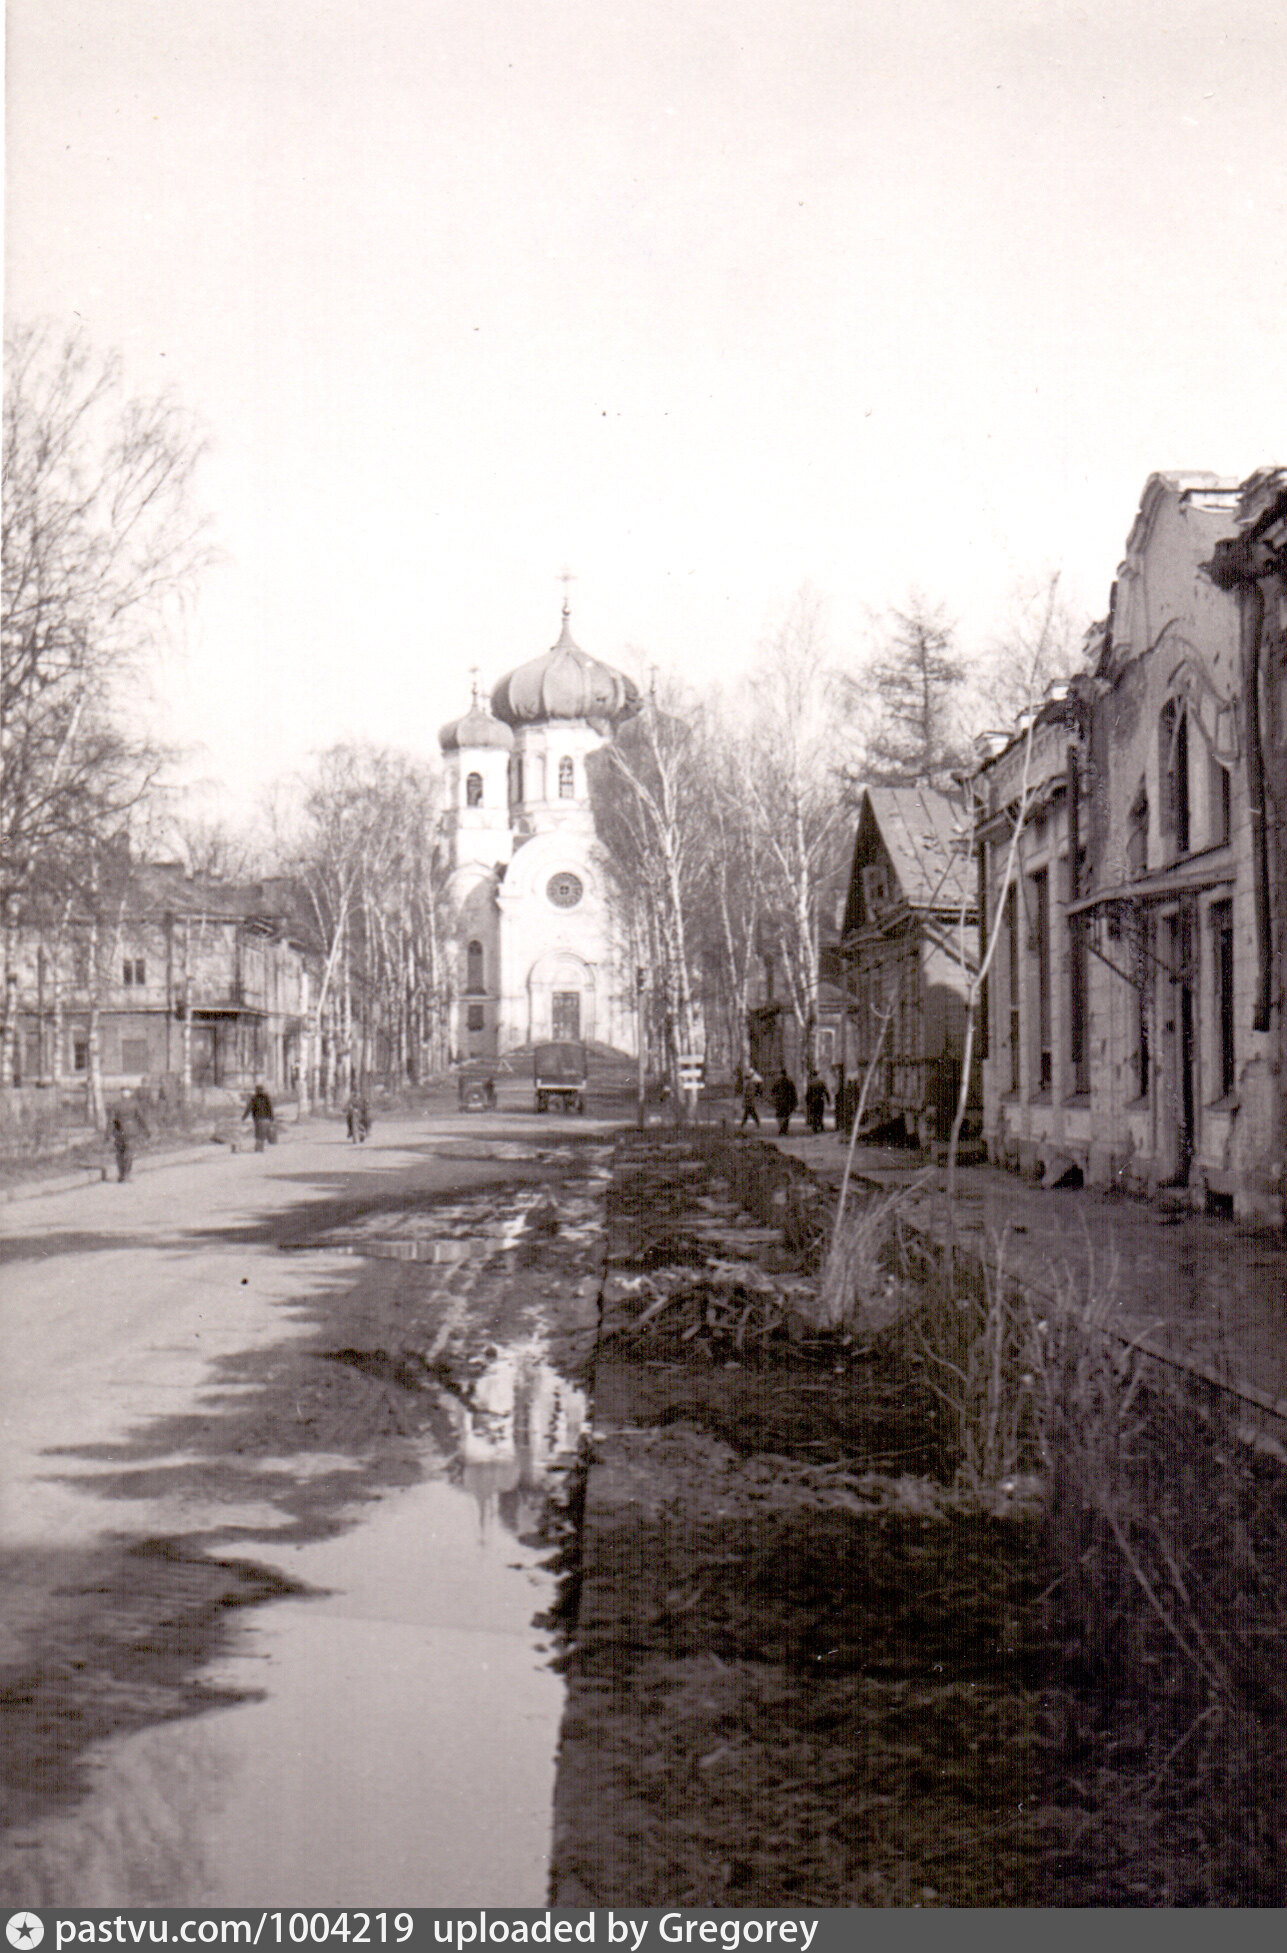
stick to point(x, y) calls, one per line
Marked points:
point(474, 790)
point(516, 778)
point(567, 786)
point(474, 967)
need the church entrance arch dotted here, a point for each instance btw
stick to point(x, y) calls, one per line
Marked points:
point(561, 999)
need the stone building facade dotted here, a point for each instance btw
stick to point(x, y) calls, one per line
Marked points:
point(539, 937)
point(1135, 1002)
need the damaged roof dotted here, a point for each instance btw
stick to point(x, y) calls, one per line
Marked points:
point(925, 833)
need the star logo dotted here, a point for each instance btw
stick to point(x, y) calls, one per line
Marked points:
point(23, 1929)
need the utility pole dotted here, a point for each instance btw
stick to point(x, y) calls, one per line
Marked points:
point(640, 1018)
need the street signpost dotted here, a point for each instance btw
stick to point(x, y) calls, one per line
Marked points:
point(690, 1078)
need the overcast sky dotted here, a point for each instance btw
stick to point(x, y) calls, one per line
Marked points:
point(701, 299)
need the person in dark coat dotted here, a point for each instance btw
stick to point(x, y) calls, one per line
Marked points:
point(122, 1145)
point(816, 1100)
point(259, 1107)
point(785, 1101)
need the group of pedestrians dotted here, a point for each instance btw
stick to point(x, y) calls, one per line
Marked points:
point(784, 1099)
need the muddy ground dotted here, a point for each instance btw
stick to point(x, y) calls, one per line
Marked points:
point(797, 1675)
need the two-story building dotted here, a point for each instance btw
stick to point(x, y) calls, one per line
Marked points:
point(1135, 1003)
point(179, 978)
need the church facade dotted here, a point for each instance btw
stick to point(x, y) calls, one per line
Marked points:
point(539, 935)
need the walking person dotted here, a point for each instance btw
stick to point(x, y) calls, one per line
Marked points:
point(785, 1101)
point(749, 1081)
point(816, 1100)
point(122, 1145)
point(259, 1107)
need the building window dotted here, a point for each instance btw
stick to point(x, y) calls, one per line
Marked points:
point(1143, 992)
point(1078, 1043)
point(565, 890)
point(1221, 812)
point(516, 778)
point(1222, 942)
point(475, 1017)
point(135, 972)
point(80, 1054)
point(1012, 945)
point(875, 892)
point(474, 967)
point(567, 783)
point(1137, 835)
point(474, 790)
point(1041, 948)
point(1173, 757)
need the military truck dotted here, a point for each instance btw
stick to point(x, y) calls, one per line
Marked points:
point(559, 1073)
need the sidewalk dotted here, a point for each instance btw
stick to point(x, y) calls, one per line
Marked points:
point(92, 1173)
point(1195, 1288)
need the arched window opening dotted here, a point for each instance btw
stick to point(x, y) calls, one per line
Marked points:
point(474, 790)
point(1137, 835)
point(567, 785)
point(1173, 758)
point(474, 968)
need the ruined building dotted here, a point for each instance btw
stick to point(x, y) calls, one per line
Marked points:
point(1134, 1005)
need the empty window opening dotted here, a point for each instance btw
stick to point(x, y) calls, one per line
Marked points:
point(1222, 942)
point(474, 790)
point(475, 1017)
point(1173, 755)
point(1221, 803)
point(567, 783)
point(1041, 947)
point(474, 967)
point(1143, 987)
point(1137, 835)
point(1078, 1042)
point(1012, 944)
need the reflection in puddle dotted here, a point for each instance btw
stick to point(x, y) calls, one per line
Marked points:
point(403, 1752)
point(402, 1749)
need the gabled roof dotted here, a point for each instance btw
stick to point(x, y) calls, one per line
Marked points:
point(924, 833)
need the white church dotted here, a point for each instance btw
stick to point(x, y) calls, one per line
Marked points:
point(538, 930)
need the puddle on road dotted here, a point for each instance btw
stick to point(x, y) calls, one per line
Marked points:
point(402, 1747)
point(402, 1754)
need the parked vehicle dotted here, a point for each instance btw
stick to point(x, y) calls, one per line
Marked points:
point(559, 1074)
point(476, 1089)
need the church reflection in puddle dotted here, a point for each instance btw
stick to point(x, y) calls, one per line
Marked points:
point(401, 1750)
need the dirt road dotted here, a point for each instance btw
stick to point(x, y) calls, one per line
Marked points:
point(276, 1433)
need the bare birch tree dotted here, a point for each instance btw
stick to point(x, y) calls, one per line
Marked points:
point(801, 820)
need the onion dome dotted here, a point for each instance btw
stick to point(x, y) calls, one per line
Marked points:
point(477, 728)
point(565, 684)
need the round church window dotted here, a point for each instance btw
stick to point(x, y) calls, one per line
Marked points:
point(564, 890)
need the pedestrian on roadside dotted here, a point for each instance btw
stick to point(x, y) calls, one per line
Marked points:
point(816, 1100)
point(785, 1101)
point(353, 1117)
point(750, 1086)
point(259, 1108)
point(122, 1145)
